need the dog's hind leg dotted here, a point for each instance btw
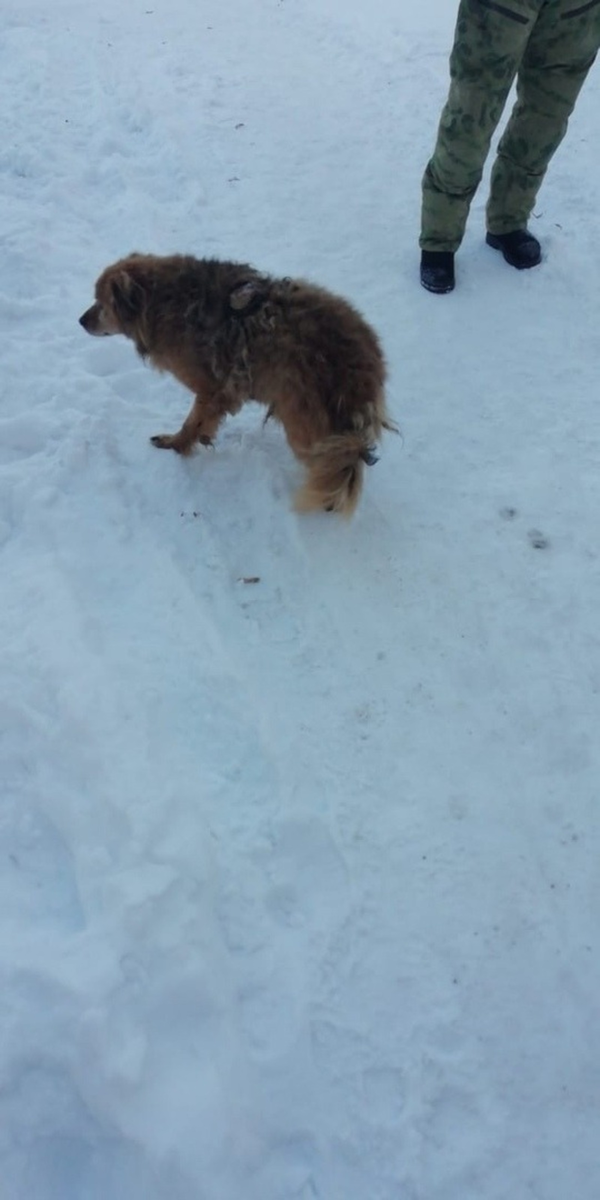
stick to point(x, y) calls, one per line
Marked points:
point(200, 425)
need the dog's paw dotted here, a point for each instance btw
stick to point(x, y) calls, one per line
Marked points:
point(164, 441)
point(169, 441)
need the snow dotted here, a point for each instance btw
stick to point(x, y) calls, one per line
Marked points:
point(299, 888)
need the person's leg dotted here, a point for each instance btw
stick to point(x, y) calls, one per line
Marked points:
point(489, 43)
point(560, 51)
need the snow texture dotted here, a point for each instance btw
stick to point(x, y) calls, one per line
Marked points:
point(299, 877)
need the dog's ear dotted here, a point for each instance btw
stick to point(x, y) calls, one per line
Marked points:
point(244, 296)
point(127, 295)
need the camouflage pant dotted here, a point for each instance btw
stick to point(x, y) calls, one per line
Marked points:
point(549, 45)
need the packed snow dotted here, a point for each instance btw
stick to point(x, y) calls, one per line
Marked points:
point(299, 818)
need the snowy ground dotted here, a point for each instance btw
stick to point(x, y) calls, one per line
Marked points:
point(299, 888)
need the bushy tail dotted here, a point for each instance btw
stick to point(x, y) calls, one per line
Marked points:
point(335, 473)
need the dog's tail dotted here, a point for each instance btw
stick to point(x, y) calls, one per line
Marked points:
point(335, 473)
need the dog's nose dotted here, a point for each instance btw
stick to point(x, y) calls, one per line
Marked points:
point(82, 320)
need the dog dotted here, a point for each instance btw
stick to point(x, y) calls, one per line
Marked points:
point(231, 334)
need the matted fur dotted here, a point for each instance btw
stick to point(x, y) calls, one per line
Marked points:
point(230, 334)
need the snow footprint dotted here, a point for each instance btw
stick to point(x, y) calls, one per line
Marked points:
point(38, 884)
point(288, 1171)
point(56, 1147)
point(23, 438)
point(384, 1090)
point(306, 873)
point(306, 882)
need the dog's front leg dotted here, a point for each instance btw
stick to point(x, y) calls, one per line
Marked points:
point(200, 425)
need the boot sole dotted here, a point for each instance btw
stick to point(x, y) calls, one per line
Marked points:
point(439, 290)
point(507, 256)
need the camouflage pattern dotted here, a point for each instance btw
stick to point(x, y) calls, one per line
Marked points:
point(549, 45)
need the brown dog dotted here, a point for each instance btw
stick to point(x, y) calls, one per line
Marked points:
point(231, 334)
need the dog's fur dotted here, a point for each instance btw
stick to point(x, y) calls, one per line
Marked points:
point(231, 334)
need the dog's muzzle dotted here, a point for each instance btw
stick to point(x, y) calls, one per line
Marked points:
point(91, 323)
point(87, 319)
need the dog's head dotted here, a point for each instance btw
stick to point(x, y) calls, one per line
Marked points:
point(120, 298)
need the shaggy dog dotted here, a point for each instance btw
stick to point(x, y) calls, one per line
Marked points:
point(230, 334)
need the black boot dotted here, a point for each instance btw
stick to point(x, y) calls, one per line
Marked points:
point(437, 271)
point(520, 248)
